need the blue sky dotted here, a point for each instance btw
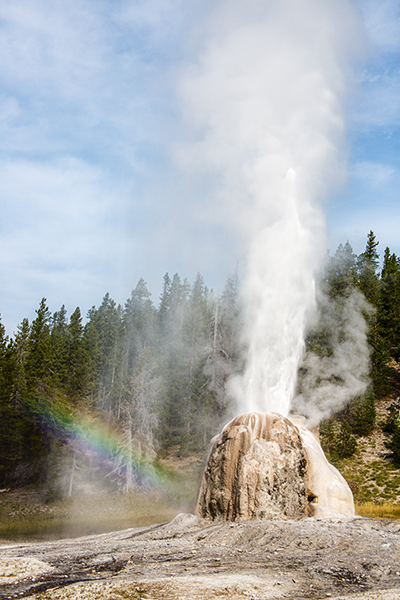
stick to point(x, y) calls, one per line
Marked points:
point(90, 198)
point(371, 199)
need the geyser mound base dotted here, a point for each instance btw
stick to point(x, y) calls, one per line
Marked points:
point(265, 466)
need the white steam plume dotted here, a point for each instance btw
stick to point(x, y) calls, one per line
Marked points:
point(264, 105)
point(329, 382)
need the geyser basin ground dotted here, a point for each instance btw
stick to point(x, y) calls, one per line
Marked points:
point(265, 466)
point(192, 559)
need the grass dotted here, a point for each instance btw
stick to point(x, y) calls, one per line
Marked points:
point(373, 478)
point(377, 481)
point(386, 510)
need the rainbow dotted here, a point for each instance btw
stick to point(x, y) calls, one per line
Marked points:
point(88, 434)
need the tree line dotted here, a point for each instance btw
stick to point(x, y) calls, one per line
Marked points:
point(153, 378)
point(344, 272)
point(148, 378)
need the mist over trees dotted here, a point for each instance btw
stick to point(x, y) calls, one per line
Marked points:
point(104, 398)
point(144, 378)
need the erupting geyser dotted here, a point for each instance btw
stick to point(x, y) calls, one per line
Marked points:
point(264, 466)
point(264, 104)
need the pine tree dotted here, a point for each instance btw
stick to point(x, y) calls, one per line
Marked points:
point(368, 266)
point(340, 272)
point(392, 422)
point(139, 320)
point(36, 382)
point(369, 283)
point(59, 345)
point(21, 346)
point(9, 435)
point(224, 358)
point(78, 358)
point(104, 343)
point(40, 357)
point(174, 358)
point(138, 420)
point(388, 318)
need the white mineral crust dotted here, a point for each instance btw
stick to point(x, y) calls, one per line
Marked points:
point(333, 495)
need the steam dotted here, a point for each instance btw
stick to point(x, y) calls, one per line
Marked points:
point(329, 381)
point(264, 104)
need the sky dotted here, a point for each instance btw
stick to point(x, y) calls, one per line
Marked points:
point(91, 195)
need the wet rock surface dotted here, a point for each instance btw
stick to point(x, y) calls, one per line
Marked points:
point(196, 558)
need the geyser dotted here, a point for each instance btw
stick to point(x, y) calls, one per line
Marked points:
point(264, 466)
point(264, 103)
point(265, 108)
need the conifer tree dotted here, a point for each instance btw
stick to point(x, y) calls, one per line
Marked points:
point(36, 394)
point(368, 267)
point(394, 444)
point(340, 273)
point(224, 359)
point(388, 318)
point(9, 435)
point(21, 349)
point(40, 356)
point(369, 283)
point(104, 336)
point(78, 359)
point(59, 345)
point(139, 320)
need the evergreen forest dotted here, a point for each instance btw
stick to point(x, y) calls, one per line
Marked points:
point(105, 396)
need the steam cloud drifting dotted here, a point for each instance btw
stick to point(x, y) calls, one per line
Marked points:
point(348, 363)
point(264, 105)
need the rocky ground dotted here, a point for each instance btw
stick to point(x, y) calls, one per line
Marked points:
point(199, 559)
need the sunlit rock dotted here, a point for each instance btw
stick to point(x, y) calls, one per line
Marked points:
point(264, 466)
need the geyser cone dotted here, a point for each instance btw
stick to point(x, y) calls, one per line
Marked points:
point(263, 466)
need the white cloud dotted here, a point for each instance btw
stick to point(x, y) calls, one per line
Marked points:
point(59, 47)
point(83, 125)
point(380, 106)
point(61, 231)
point(382, 19)
point(87, 115)
point(75, 79)
point(380, 78)
point(374, 174)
